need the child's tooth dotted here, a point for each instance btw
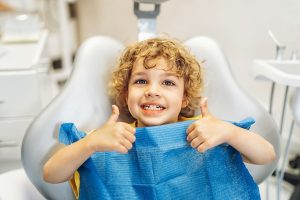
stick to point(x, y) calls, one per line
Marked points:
point(152, 107)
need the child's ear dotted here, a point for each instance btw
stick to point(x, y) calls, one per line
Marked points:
point(185, 102)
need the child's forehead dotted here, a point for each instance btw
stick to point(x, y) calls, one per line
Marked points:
point(160, 63)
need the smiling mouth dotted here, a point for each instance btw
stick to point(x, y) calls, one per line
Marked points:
point(154, 107)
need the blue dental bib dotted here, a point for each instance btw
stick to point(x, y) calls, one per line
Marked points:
point(162, 165)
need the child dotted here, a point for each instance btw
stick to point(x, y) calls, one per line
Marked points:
point(157, 82)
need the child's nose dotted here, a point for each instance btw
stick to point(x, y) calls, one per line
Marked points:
point(152, 90)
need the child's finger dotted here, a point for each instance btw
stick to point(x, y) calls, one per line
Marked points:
point(192, 135)
point(129, 128)
point(203, 147)
point(114, 115)
point(129, 136)
point(126, 144)
point(212, 142)
point(196, 142)
point(191, 128)
point(204, 107)
point(122, 149)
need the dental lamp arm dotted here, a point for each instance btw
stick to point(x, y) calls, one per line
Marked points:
point(147, 18)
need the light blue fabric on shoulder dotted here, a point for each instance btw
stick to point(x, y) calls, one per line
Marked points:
point(162, 165)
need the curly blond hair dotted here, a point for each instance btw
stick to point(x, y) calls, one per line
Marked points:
point(179, 59)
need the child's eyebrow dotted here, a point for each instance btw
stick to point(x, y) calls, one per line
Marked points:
point(138, 74)
point(171, 74)
point(166, 74)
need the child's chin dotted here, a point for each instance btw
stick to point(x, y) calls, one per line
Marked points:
point(151, 123)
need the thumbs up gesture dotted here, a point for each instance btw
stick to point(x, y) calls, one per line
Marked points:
point(208, 131)
point(113, 135)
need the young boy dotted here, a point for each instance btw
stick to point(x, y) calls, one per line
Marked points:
point(157, 82)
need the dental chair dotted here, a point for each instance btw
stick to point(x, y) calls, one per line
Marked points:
point(84, 101)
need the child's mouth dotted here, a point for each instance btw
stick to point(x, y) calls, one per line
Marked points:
point(152, 107)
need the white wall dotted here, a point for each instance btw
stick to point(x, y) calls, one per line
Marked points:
point(240, 26)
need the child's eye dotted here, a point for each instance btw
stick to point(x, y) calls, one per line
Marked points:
point(140, 81)
point(169, 83)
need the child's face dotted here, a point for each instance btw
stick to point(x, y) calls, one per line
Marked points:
point(155, 96)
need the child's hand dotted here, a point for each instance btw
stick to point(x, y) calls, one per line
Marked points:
point(208, 131)
point(113, 135)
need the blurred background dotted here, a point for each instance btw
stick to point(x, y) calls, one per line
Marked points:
point(39, 39)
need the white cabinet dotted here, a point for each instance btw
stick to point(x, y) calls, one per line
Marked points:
point(25, 88)
point(19, 94)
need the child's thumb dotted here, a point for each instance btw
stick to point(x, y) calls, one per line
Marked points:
point(204, 107)
point(114, 115)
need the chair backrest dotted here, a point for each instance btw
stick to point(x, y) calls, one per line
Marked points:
point(84, 101)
